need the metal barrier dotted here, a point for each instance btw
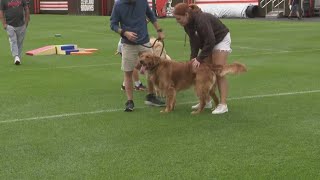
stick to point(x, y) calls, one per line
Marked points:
point(273, 6)
point(77, 7)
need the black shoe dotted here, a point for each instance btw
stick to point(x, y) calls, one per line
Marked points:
point(123, 88)
point(141, 87)
point(129, 106)
point(152, 100)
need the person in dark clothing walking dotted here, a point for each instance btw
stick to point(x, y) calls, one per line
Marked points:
point(128, 19)
point(208, 33)
point(15, 16)
point(294, 6)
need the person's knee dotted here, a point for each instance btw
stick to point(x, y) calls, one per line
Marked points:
point(221, 79)
point(128, 73)
point(219, 57)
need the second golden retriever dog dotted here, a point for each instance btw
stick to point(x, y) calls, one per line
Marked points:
point(169, 77)
point(158, 48)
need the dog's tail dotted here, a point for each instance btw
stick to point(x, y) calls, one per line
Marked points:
point(234, 68)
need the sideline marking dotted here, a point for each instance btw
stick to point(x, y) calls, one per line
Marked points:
point(270, 52)
point(115, 110)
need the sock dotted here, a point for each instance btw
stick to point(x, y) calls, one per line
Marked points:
point(137, 83)
point(123, 83)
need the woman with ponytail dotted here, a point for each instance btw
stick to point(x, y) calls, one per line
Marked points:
point(208, 33)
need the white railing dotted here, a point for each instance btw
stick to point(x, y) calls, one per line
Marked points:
point(283, 2)
point(275, 4)
point(267, 2)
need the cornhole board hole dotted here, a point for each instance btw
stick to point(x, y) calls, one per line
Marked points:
point(61, 49)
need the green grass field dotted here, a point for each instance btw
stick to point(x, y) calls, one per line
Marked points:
point(62, 116)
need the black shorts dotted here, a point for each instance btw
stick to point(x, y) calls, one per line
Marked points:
point(295, 8)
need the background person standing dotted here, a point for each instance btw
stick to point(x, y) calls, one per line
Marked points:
point(15, 17)
point(294, 6)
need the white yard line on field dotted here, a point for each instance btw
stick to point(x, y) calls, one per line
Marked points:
point(261, 49)
point(274, 52)
point(116, 110)
point(270, 52)
point(67, 67)
point(274, 95)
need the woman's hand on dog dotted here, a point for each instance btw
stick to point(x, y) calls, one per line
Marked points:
point(195, 63)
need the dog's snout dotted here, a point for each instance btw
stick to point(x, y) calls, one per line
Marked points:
point(141, 62)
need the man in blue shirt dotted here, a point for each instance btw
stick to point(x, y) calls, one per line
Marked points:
point(128, 19)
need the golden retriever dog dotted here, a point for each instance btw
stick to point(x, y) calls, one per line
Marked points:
point(158, 47)
point(169, 77)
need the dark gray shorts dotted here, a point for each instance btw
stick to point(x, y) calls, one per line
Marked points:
point(295, 8)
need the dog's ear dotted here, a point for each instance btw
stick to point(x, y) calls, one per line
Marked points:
point(138, 66)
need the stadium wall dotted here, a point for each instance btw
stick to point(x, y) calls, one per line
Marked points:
point(76, 7)
point(163, 8)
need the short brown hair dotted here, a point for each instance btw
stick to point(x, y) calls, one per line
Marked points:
point(194, 8)
point(182, 8)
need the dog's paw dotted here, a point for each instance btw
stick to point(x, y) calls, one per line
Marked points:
point(194, 112)
point(165, 111)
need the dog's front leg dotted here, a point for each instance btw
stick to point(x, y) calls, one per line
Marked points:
point(170, 99)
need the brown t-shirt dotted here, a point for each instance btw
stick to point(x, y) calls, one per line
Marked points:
point(204, 31)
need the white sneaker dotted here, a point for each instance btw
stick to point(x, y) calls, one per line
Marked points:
point(207, 106)
point(17, 60)
point(220, 109)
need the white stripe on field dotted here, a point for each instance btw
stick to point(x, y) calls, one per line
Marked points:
point(276, 52)
point(261, 49)
point(111, 64)
point(67, 67)
point(273, 95)
point(115, 110)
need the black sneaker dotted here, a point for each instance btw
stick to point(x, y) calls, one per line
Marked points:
point(123, 88)
point(129, 106)
point(152, 100)
point(141, 87)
